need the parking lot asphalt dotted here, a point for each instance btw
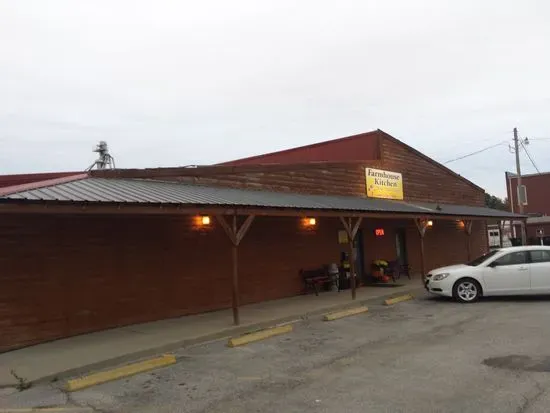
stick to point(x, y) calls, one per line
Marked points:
point(426, 355)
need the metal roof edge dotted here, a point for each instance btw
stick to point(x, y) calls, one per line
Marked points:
point(156, 195)
point(514, 176)
point(10, 190)
point(545, 219)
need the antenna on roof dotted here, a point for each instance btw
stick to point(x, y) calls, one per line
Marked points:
point(105, 160)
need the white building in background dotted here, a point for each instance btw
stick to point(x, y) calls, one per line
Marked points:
point(499, 235)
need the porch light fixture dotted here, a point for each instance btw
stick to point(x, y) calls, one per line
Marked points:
point(460, 224)
point(205, 220)
point(310, 222)
point(430, 223)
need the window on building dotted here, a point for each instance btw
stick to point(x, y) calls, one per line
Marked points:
point(540, 256)
point(514, 258)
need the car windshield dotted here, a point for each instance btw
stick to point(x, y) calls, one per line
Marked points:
point(482, 259)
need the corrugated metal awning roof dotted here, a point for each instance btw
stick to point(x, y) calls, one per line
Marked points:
point(144, 192)
point(538, 220)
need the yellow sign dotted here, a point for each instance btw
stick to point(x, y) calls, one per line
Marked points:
point(342, 237)
point(384, 184)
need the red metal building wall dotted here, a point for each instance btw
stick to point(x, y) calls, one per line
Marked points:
point(352, 148)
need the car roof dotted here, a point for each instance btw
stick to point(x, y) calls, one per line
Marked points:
point(524, 248)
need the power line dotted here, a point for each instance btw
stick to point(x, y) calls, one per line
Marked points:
point(475, 153)
point(529, 156)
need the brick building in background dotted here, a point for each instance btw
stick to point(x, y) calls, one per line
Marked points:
point(102, 249)
point(537, 207)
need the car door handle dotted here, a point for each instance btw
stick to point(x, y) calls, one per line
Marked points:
point(523, 268)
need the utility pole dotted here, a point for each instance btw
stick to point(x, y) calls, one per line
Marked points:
point(519, 192)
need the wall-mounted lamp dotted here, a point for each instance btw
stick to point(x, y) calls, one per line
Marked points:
point(309, 222)
point(460, 224)
point(203, 221)
point(429, 223)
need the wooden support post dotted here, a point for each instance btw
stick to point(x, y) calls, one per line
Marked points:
point(235, 235)
point(422, 225)
point(352, 270)
point(235, 276)
point(351, 230)
point(468, 230)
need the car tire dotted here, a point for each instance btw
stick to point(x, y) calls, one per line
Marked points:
point(466, 290)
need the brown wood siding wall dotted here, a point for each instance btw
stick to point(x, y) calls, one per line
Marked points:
point(445, 243)
point(425, 181)
point(67, 275)
point(64, 275)
point(314, 179)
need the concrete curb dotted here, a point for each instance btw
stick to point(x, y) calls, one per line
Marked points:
point(259, 335)
point(346, 313)
point(222, 334)
point(119, 372)
point(399, 299)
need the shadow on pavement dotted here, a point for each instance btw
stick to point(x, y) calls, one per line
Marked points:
point(516, 298)
point(503, 299)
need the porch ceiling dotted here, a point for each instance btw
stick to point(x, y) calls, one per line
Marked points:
point(92, 192)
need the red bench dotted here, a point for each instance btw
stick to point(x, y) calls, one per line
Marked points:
point(315, 279)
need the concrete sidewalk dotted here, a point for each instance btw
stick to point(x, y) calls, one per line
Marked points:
point(76, 355)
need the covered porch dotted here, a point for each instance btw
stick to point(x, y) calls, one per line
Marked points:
point(94, 253)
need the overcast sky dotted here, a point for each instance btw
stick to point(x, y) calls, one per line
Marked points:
point(171, 83)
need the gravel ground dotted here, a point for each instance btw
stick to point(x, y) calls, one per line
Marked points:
point(426, 355)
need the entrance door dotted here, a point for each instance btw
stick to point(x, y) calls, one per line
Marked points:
point(401, 246)
point(358, 255)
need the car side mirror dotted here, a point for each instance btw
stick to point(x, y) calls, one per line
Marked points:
point(493, 264)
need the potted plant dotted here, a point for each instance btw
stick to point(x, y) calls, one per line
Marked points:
point(378, 268)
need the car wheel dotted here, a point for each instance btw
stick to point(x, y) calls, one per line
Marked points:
point(466, 290)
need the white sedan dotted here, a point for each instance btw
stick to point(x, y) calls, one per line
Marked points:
point(507, 271)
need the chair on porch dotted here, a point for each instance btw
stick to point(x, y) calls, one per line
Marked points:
point(396, 270)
